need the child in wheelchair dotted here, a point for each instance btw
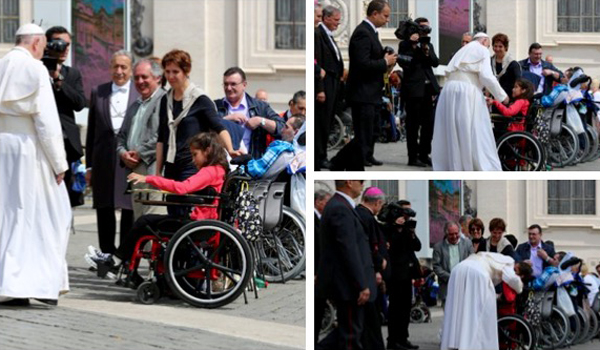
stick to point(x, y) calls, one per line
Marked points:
point(209, 156)
point(522, 93)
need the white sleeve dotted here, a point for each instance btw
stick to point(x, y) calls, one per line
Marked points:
point(489, 81)
point(511, 278)
point(48, 128)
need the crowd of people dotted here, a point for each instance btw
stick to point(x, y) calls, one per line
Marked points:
point(446, 129)
point(150, 126)
point(366, 265)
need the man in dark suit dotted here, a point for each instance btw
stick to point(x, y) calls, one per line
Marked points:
point(539, 253)
point(368, 64)
point(329, 57)
point(108, 105)
point(419, 86)
point(373, 200)
point(69, 96)
point(346, 274)
point(547, 72)
point(322, 196)
point(405, 265)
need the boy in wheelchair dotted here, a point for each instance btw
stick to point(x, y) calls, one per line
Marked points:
point(209, 156)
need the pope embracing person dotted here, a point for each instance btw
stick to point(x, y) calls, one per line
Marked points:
point(35, 213)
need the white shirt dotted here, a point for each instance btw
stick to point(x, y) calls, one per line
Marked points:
point(347, 197)
point(330, 36)
point(118, 104)
point(537, 70)
point(536, 261)
point(317, 213)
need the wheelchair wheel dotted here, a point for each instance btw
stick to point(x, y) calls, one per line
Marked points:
point(336, 134)
point(552, 332)
point(573, 331)
point(520, 151)
point(514, 332)
point(562, 149)
point(328, 322)
point(148, 293)
point(593, 139)
point(208, 264)
point(417, 314)
point(289, 242)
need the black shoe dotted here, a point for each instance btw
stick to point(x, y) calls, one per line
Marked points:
point(375, 161)
point(426, 160)
point(367, 163)
point(51, 302)
point(395, 346)
point(417, 163)
point(409, 345)
point(15, 302)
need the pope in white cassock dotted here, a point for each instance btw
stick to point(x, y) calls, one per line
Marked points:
point(35, 213)
point(463, 139)
point(470, 318)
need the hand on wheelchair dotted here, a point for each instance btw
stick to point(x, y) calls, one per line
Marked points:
point(136, 178)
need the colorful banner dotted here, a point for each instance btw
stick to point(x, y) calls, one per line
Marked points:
point(98, 32)
point(444, 206)
point(454, 20)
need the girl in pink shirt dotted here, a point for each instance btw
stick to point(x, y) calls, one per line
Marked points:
point(522, 92)
point(210, 157)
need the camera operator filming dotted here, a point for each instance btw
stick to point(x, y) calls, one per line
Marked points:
point(399, 228)
point(416, 56)
point(68, 94)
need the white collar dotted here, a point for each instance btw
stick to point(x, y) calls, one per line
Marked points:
point(123, 88)
point(317, 213)
point(538, 246)
point(149, 98)
point(243, 103)
point(371, 24)
point(329, 32)
point(347, 197)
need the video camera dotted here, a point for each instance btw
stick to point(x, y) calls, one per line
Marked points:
point(54, 48)
point(408, 27)
point(392, 211)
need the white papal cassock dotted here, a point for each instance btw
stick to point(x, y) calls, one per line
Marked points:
point(35, 213)
point(470, 320)
point(462, 137)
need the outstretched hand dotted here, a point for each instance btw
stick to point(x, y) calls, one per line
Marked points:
point(136, 178)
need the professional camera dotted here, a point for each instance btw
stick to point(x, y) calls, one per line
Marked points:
point(408, 27)
point(54, 48)
point(392, 211)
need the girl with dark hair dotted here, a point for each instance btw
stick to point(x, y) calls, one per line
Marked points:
point(209, 156)
point(522, 94)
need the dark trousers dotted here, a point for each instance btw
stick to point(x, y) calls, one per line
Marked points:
point(348, 334)
point(324, 114)
point(400, 293)
point(372, 338)
point(419, 117)
point(363, 120)
point(158, 223)
point(347, 158)
point(107, 227)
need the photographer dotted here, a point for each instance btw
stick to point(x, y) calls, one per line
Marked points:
point(69, 96)
point(400, 230)
point(417, 56)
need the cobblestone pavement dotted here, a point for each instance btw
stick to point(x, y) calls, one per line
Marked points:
point(395, 158)
point(97, 314)
point(426, 335)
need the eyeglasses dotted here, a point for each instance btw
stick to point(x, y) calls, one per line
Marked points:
point(225, 85)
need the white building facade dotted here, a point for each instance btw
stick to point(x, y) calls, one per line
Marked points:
point(567, 210)
point(218, 34)
point(569, 30)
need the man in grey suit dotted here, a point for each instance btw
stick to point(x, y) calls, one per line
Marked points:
point(108, 106)
point(448, 253)
point(136, 141)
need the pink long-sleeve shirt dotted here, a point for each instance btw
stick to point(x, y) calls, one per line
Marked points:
point(213, 176)
point(519, 106)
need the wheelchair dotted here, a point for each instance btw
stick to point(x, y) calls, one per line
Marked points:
point(518, 150)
